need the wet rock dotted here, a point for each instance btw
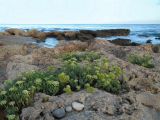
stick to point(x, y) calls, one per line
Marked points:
point(122, 42)
point(58, 35)
point(135, 44)
point(70, 35)
point(158, 38)
point(84, 37)
point(112, 32)
point(87, 34)
point(149, 41)
point(105, 33)
point(59, 113)
point(77, 106)
point(143, 35)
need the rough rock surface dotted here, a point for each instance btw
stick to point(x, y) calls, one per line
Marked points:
point(6, 52)
point(98, 105)
point(68, 35)
point(140, 102)
point(123, 42)
point(16, 32)
point(36, 34)
point(14, 69)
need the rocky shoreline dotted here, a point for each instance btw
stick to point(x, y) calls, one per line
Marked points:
point(139, 102)
point(67, 35)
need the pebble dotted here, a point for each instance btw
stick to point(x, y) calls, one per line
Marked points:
point(59, 113)
point(68, 109)
point(77, 106)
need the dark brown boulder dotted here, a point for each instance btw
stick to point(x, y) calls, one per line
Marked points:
point(123, 42)
point(157, 38)
point(58, 35)
point(104, 33)
point(16, 32)
point(70, 35)
point(149, 41)
point(37, 34)
point(93, 33)
point(84, 37)
point(113, 32)
point(33, 32)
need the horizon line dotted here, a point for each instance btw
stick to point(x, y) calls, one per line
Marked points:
point(77, 23)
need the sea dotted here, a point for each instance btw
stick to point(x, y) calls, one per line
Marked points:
point(140, 33)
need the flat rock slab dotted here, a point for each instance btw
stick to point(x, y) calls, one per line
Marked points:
point(14, 69)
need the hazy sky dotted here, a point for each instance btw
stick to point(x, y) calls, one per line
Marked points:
point(79, 11)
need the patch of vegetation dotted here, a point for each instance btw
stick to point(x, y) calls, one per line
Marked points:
point(83, 71)
point(89, 56)
point(145, 60)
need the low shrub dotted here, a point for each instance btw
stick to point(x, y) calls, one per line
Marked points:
point(145, 60)
point(20, 92)
point(89, 56)
point(83, 71)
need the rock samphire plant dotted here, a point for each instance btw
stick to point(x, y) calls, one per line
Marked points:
point(86, 70)
point(141, 60)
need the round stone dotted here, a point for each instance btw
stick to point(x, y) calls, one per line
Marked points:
point(59, 113)
point(77, 106)
point(68, 109)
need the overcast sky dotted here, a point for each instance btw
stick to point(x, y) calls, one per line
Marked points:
point(79, 11)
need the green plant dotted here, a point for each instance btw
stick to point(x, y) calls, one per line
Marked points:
point(97, 73)
point(68, 90)
point(81, 56)
point(89, 89)
point(63, 78)
point(12, 117)
point(145, 60)
point(19, 93)
point(79, 71)
point(52, 87)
